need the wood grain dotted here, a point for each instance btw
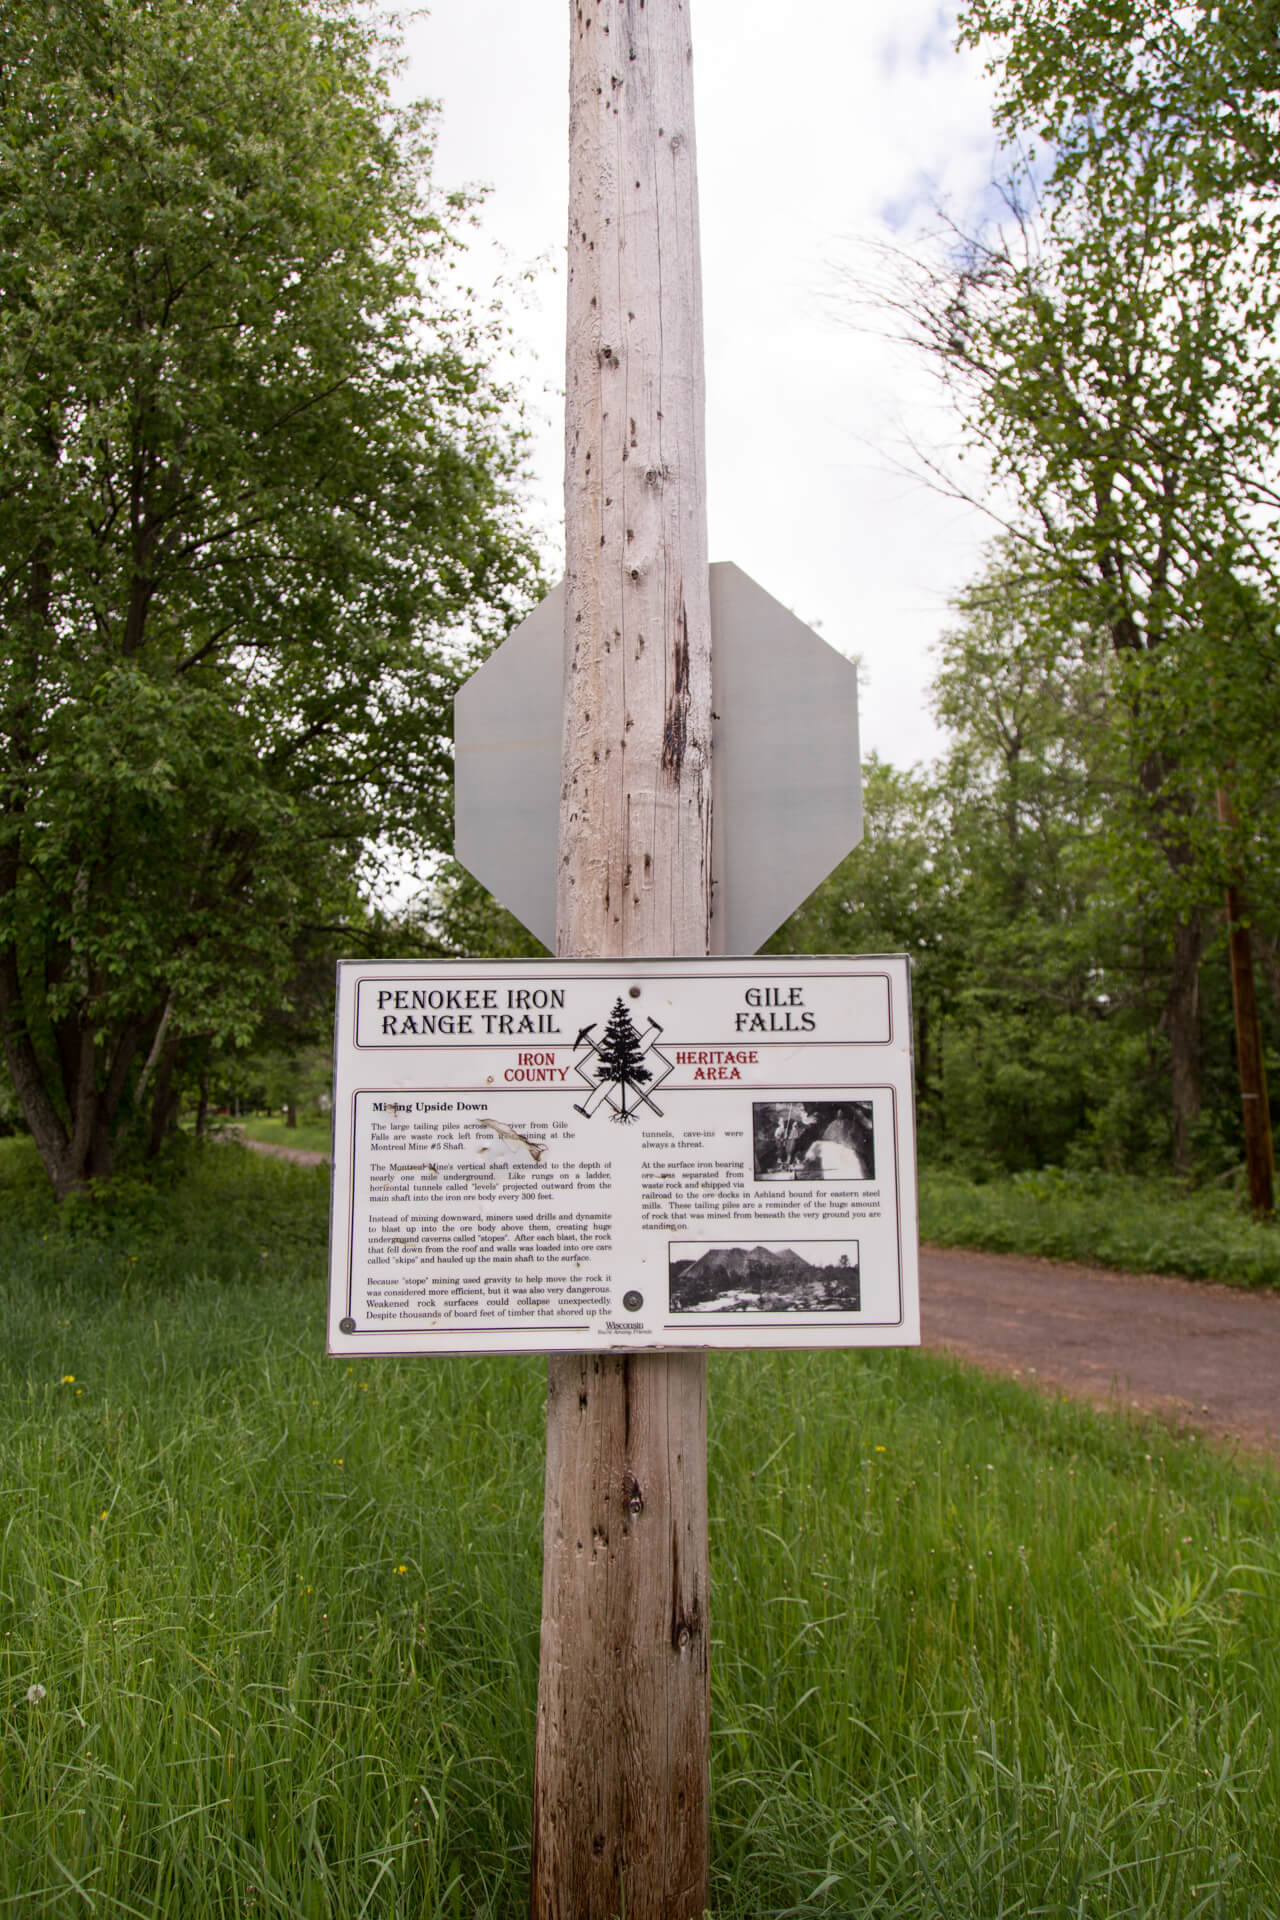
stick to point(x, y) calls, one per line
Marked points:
point(634, 872)
point(621, 1774)
point(620, 1789)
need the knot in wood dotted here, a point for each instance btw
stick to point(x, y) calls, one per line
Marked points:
point(633, 1498)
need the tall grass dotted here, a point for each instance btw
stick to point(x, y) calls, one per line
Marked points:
point(984, 1654)
point(976, 1653)
point(1147, 1225)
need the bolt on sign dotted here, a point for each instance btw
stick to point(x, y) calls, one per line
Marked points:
point(567, 1156)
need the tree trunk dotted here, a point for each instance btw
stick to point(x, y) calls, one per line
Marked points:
point(621, 1769)
point(164, 1100)
point(1254, 1105)
point(1182, 1017)
point(63, 1136)
point(924, 1059)
point(1255, 1108)
point(72, 1123)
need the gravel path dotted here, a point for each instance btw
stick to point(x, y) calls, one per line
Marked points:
point(1197, 1354)
point(301, 1156)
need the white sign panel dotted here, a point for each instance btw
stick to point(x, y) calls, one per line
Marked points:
point(562, 1156)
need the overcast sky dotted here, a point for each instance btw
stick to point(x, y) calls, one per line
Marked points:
point(819, 128)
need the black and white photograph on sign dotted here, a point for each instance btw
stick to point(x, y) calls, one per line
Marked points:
point(813, 1140)
point(804, 1276)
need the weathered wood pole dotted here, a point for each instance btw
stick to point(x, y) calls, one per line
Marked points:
point(1254, 1104)
point(620, 1783)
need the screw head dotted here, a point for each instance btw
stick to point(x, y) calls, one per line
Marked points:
point(347, 1326)
point(632, 1300)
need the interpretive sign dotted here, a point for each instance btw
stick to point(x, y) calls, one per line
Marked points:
point(566, 1156)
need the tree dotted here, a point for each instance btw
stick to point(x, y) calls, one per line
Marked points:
point(1051, 1053)
point(1108, 347)
point(1036, 984)
point(620, 1059)
point(894, 893)
point(456, 915)
point(1198, 81)
point(256, 481)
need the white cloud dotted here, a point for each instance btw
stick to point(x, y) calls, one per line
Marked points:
point(843, 122)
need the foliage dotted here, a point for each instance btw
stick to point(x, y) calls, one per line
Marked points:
point(457, 917)
point(1031, 991)
point(1041, 967)
point(282, 1078)
point(1196, 83)
point(1119, 332)
point(895, 892)
point(976, 1652)
point(1108, 346)
point(1142, 1225)
point(1048, 969)
point(255, 477)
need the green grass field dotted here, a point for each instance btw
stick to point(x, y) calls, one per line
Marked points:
point(976, 1653)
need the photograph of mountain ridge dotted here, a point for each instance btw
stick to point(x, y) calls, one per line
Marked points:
point(823, 1278)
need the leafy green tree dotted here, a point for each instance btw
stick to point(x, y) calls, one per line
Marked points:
point(1108, 345)
point(896, 892)
point(1048, 1056)
point(295, 1078)
point(256, 479)
point(1198, 81)
point(456, 915)
point(1035, 988)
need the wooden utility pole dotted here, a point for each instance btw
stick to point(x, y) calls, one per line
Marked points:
point(621, 1774)
point(1254, 1103)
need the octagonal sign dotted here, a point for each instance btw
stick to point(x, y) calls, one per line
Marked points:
point(786, 775)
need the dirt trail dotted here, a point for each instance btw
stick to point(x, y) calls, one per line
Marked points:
point(1197, 1354)
point(301, 1156)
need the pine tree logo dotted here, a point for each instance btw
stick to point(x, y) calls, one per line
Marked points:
point(615, 1067)
point(620, 1060)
